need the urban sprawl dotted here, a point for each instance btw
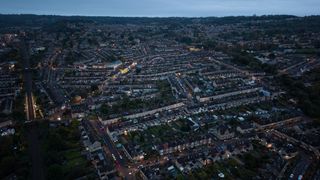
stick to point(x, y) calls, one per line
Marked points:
point(160, 98)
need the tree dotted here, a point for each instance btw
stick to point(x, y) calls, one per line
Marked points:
point(130, 38)
point(210, 45)
point(94, 87)
point(55, 172)
point(7, 165)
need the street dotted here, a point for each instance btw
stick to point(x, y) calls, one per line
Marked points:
point(119, 160)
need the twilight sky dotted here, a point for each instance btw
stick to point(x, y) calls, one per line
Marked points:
point(160, 7)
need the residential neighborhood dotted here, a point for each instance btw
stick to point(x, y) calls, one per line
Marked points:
point(160, 98)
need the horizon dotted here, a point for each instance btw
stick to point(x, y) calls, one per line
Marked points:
point(106, 16)
point(164, 8)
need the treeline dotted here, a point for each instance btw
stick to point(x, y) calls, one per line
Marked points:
point(244, 58)
point(243, 19)
point(308, 95)
point(62, 152)
point(14, 160)
point(293, 26)
point(44, 20)
point(127, 106)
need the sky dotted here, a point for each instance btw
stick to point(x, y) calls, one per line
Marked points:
point(161, 8)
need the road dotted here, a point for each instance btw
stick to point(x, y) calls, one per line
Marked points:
point(301, 167)
point(298, 142)
point(27, 74)
point(35, 152)
point(230, 66)
point(120, 161)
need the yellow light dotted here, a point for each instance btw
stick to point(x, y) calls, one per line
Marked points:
point(269, 146)
point(124, 71)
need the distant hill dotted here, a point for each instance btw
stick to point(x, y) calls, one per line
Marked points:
point(42, 20)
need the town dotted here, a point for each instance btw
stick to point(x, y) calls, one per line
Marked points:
point(160, 98)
